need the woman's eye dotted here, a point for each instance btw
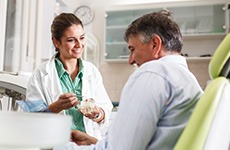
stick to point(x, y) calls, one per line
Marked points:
point(70, 40)
point(82, 38)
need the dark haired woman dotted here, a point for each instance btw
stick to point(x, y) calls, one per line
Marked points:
point(66, 79)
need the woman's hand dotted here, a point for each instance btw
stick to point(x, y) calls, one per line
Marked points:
point(97, 115)
point(93, 114)
point(65, 101)
point(91, 111)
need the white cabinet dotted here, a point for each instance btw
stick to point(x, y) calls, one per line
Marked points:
point(209, 19)
point(116, 24)
point(196, 22)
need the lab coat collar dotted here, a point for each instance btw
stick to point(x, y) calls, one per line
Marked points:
point(51, 78)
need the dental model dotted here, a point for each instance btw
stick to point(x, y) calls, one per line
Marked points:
point(87, 106)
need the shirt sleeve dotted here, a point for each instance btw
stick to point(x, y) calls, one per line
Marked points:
point(142, 100)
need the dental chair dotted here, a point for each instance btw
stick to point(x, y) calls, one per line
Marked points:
point(209, 125)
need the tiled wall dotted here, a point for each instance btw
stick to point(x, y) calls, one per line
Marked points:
point(114, 76)
point(200, 69)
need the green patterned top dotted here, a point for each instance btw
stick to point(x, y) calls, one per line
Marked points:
point(75, 87)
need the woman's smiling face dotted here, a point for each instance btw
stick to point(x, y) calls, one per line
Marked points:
point(72, 43)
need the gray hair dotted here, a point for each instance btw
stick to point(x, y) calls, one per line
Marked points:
point(159, 23)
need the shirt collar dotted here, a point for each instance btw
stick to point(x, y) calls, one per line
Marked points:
point(81, 68)
point(175, 58)
point(61, 70)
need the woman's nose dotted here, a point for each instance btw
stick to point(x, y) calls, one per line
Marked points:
point(77, 43)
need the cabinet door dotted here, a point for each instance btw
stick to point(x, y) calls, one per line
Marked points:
point(228, 17)
point(196, 22)
point(116, 23)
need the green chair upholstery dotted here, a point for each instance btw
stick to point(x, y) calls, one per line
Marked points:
point(197, 131)
point(220, 63)
point(209, 125)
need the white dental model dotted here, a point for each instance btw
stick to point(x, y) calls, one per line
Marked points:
point(87, 106)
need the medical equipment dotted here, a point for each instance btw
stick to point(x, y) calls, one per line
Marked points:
point(12, 87)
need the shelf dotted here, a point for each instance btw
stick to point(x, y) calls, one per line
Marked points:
point(116, 60)
point(116, 27)
point(116, 43)
point(125, 58)
point(206, 36)
point(198, 59)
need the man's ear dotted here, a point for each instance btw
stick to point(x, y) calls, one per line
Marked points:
point(156, 44)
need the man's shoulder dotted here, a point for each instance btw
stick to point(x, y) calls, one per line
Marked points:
point(153, 66)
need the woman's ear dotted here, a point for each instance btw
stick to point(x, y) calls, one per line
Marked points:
point(56, 42)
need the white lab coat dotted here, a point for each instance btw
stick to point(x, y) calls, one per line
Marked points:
point(45, 84)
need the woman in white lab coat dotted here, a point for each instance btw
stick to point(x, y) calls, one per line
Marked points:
point(65, 79)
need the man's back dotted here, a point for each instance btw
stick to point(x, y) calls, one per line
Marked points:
point(155, 105)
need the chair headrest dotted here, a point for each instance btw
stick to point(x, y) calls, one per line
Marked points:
point(219, 64)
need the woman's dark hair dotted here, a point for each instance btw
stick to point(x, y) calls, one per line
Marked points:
point(157, 23)
point(61, 23)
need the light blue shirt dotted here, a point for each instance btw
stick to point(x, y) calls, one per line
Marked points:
point(155, 106)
